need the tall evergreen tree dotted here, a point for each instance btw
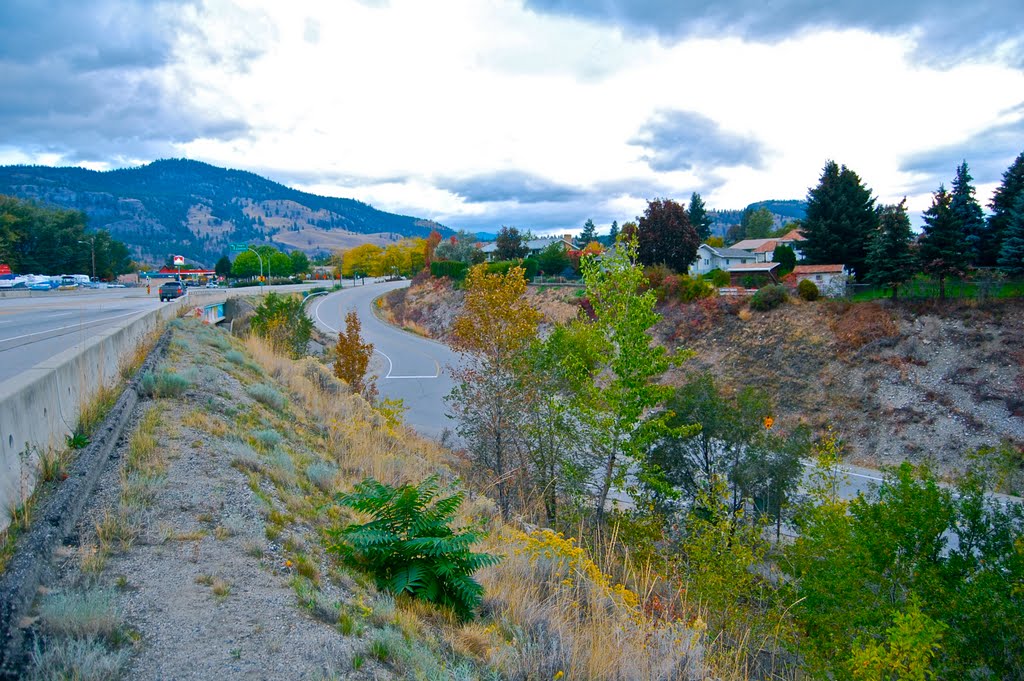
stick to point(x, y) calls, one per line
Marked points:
point(840, 217)
point(666, 236)
point(890, 262)
point(613, 235)
point(223, 267)
point(966, 211)
point(941, 247)
point(1002, 204)
point(589, 232)
point(1011, 254)
point(699, 217)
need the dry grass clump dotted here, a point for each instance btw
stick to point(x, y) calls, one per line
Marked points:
point(559, 613)
point(858, 324)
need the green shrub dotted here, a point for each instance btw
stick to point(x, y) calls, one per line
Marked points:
point(234, 356)
point(720, 278)
point(267, 394)
point(769, 297)
point(532, 266)
point(80, 659)
point(267, 439)
point(409, 547)
point(88, 614)
point(453, 269)
point(163, 383)
point(322, 475)
point(501, 267)
point(808, 290)
point(282, 321)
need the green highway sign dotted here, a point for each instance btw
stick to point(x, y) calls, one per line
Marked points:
point(238, 248)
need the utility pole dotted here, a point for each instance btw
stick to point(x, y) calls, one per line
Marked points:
point(92, 249)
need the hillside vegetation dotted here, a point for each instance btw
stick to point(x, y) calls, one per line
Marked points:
point(909, 381)
point(197, 210)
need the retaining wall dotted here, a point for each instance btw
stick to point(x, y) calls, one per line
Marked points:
point(40, 407)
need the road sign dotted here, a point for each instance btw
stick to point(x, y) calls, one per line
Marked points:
point(179, 260)
point(238, 248)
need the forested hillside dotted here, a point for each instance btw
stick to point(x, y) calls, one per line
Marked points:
point(197, 210)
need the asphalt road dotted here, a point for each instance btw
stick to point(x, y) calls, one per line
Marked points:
point(406, 366)
point(34, 329)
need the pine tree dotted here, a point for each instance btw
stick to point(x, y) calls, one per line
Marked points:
point(840, 217)
point(966, 211)
point(941, 249)
point(1002, 205)
point(699, 217)
point(613, 235)
point(1011, 254)
point(890, 262)
point(589, 232)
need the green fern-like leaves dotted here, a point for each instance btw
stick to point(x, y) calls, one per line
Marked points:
point(409, 547)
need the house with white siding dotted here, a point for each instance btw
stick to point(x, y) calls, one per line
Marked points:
point(717, 258)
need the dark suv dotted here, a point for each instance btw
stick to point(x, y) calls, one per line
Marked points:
point(171, 290)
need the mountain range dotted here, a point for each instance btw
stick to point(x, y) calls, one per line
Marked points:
point(198, 210)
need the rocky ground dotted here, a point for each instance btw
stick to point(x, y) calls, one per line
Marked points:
point(900, 382)
point(194, 558)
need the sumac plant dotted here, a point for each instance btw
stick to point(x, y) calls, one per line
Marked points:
point(409, 546)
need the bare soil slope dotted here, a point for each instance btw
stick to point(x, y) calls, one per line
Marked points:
point(899, 382)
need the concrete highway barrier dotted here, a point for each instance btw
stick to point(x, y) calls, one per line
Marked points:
point(41, 406)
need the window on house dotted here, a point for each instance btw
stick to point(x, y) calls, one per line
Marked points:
point(817, 277)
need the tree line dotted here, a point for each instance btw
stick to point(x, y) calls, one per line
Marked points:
point(39, 240)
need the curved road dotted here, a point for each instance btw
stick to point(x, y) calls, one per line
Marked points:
point(416, 369)
point(406, 366)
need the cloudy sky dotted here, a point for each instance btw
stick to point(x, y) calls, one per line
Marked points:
point(533, 113)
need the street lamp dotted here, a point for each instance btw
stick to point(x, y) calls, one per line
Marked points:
point(92, 249)
point(261, 263)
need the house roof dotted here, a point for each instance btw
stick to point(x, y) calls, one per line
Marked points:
point(818, 269)
point(751, 244)
point(754, 267)
point(729, 252)
point(765, 245)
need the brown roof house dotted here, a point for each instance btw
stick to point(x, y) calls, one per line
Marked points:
point(830, 279)
point(764, 249)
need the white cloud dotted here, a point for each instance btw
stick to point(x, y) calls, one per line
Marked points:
point(409, 94)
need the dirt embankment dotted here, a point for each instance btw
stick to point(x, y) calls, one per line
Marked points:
point(899, 382)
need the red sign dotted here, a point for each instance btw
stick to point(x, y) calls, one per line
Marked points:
point(179, 260)
point(5, 269)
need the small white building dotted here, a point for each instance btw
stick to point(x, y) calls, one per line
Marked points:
point(715, 258)
point(830, 279)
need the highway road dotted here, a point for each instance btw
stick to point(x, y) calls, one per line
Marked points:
point(35, 328)
point(38, 325)
point(406, 366)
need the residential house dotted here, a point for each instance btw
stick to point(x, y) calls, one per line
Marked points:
point(830, 279)
point(764, 249)
point(534, 246)
point(715, 258)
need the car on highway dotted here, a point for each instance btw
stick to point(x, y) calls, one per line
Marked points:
point(171, 290)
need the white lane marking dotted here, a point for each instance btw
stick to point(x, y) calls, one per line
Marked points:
point(391, 365)
point(811, 464)
point(73, 326)
point(316, 313)
point(61, 314)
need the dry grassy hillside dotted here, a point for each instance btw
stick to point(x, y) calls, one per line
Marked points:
point(906, 381)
